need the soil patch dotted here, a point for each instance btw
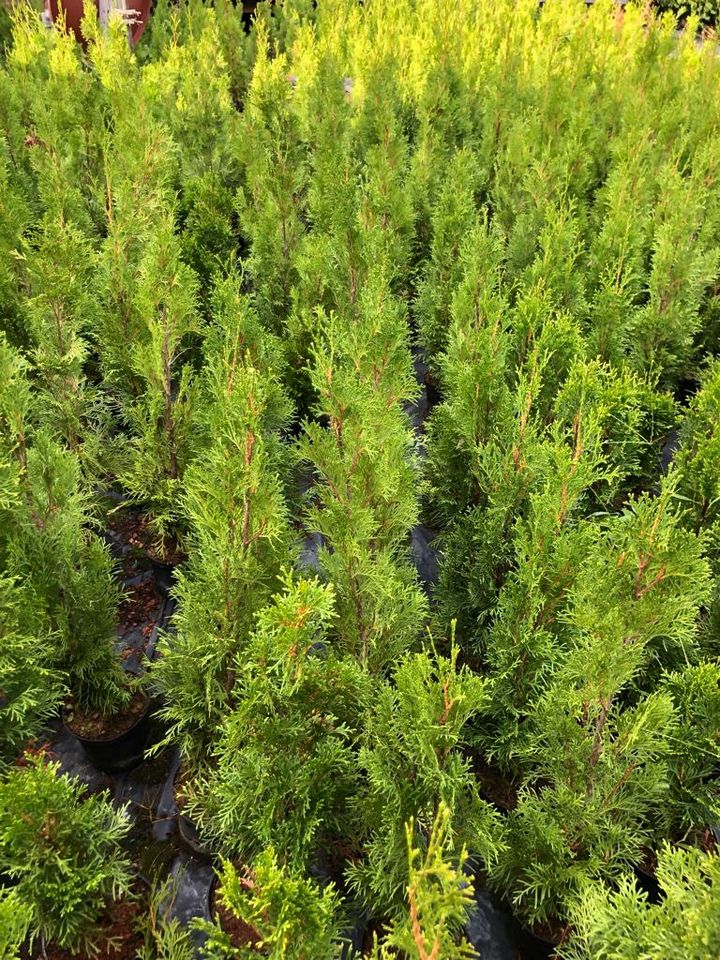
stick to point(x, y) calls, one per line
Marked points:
point(139, 606)
point(551, 931)
point(134, 529)
point(241, 934)
point(94, 726)
point(118, 937)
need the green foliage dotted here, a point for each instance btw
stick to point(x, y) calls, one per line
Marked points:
point(160, 417)
point(164, 937)
point(366, 498)
point(621, 923)
point(706, 11)
point(66, 570)
point(15, 920)
point(239, 534)
point(31, 685)
point(698, 460)
point(225, 239)
point(695, 751)
point(412, 761)
point(597, 769)
point(284, 769)
point(62, 849)
point(291, 916)
point(439, 899)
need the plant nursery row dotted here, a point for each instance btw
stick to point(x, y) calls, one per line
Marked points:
point(360, 484)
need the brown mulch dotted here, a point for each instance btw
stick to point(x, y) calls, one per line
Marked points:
point(241, 934)
point(134, 529)
point(94, 726)
point(139, 606)
point(117, 938)
point(551, 931)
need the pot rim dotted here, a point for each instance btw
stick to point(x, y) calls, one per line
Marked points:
point(113, 739)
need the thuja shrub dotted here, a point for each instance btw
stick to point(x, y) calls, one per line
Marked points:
point(47, 544)
point(32, 686)
point(694, 751)
point(15, 921)
point(160, 416)
point(287, 916)
point(621, 922)
point(365, 501)
point(594, 745)
point(284, 769)
point(439, 898)
point(62, 850)
point(698, 459)
point(412, 761)
point(239, 534)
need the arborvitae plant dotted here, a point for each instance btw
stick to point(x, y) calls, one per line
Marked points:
point(291, 917)
point(453, 217)
point(31, 685)
point(63, 118)
point(439, 898)
point(697, 467)
point(617, 255)
point(604, 778)
point(366, 497)
point(47, 545)
point(62, 850)
point(270, 204)
point(16, 217)
point(58, 316)
point(140, 168)
point(189, 89)
point(285, 768)
point(550, 541)
point(160, 417)
point(239, 533)
point(635, 420)
point(697, 462)
point(622, 923)
point(15, 921)
point(597, 770)
point(693, 804)
point(684, 263)
point(412, 762)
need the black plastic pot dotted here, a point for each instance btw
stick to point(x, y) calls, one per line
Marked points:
point(117, 754)
point(648, 882)
point(164, 574)
point(534, 945)
point(191, 837)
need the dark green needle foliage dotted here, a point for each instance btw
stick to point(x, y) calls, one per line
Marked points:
point(285, 768)
point(413, 762)
point(63, 852)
